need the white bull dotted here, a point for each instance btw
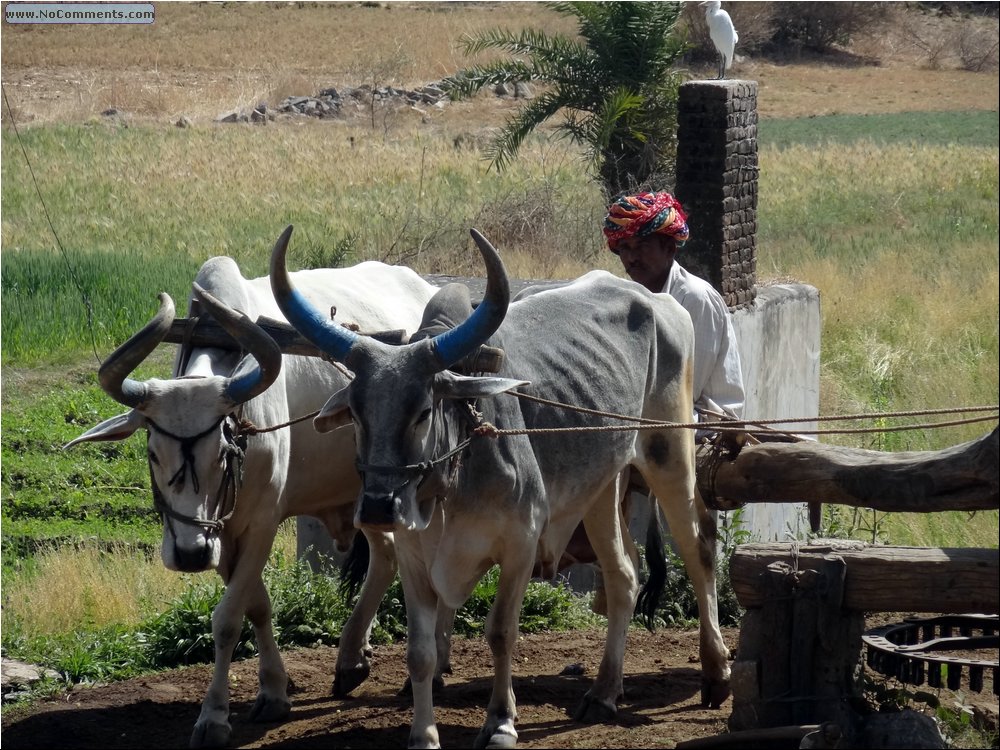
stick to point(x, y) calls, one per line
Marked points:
point(196, 452)
point(459, 502)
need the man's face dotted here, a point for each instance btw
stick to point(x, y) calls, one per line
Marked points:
point(647, 260)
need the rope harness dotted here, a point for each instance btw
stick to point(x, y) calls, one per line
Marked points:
point(233, 455)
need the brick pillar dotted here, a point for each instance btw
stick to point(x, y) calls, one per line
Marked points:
point(717, 184)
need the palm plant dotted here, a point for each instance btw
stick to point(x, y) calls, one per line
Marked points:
point(616, 85)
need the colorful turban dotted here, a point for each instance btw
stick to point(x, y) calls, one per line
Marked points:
point(645, 214)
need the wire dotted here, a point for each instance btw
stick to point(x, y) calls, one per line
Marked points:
point(72, 271)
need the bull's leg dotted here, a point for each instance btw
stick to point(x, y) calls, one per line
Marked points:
point(244, 594)
point(670, 475)
point(354, 652)
point(442, 639)
point(608, 533)
point(272, 702)
point(501, 633)
point(442, 636)
point(460, 561)
point(421, 649)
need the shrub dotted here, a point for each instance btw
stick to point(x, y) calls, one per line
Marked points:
point(819, 26)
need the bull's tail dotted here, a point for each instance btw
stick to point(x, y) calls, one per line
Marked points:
point(656, 562)
point(354, 568)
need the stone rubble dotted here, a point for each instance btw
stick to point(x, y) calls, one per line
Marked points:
point(331, 102)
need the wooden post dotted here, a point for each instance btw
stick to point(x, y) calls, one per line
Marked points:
point(797, 651)
point(962, 477)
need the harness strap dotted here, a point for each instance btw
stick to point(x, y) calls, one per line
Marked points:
point(187, 453)
point(233, 455)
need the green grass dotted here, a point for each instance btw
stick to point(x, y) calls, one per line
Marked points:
point(94, 491)
point(133, 226)
point(976, 128)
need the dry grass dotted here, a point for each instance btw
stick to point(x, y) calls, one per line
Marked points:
point(201, 60)
point(87, 586)
point(83, 586)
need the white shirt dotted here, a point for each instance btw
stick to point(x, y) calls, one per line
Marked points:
point(718, 376)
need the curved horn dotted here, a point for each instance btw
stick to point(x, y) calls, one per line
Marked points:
point(113, 374)
point(453, 345)
point(253, 339)
point(333, 339)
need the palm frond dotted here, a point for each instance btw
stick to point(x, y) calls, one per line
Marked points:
point(617, 84)
point(469, 81)
point(505, 146)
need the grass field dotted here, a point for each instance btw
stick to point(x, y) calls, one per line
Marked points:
point(878, 186)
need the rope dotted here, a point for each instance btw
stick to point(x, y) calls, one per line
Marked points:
point(728, 425)
point(733, 425)
point(251, 429)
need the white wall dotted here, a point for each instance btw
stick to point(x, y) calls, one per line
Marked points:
point(779, 339)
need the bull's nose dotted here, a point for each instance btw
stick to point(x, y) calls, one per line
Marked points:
point(378, 511)
point(193, 559)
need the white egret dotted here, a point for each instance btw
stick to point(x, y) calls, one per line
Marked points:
point(723, 33)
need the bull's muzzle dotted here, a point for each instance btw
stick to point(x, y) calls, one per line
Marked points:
point(194, 557)
point(379, 512)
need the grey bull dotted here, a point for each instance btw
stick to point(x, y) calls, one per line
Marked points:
point(198, 449)
point(459, 502)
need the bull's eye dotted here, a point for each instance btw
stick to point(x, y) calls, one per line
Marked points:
point(153, 458)
point(424, 416)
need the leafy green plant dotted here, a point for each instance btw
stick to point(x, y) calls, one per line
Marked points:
point(617, 86)
point(545, 607)
point(183, 633)
point(307, 608)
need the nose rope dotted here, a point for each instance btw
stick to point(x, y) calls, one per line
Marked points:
point(423, 469)
point(187, 453)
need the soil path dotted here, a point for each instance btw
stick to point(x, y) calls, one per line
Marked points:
point(661, 705)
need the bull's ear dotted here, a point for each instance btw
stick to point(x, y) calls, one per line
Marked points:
point(449, 385)
point(334, 414)
point(116, 428)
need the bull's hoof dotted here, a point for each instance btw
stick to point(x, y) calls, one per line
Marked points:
point(266, 710)
point(714, 692)
point(497, 739)
point(591, 710)
point(345, 680)
point(210, 735)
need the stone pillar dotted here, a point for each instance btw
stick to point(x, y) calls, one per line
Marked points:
point(717, 184)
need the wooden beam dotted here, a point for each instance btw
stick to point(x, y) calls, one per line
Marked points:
point(881, 579)
point(963, 477)
point(206, 332)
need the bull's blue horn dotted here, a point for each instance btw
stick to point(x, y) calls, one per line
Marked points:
point(252, 338)
point(113, 373)
point(453, 345)
point(333, 339)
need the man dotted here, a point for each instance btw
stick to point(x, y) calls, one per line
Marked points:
point(645, 231)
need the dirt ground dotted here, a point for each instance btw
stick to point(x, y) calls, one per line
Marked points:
point(661, 705)
point(552, 671)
